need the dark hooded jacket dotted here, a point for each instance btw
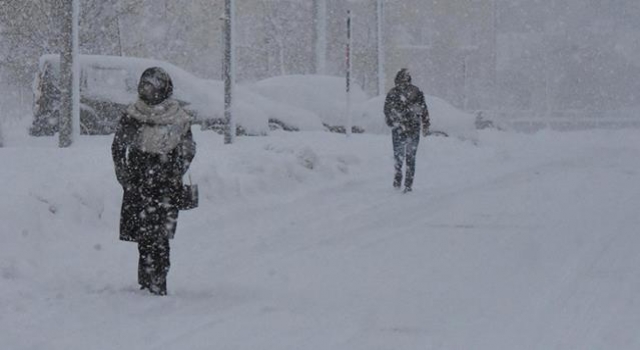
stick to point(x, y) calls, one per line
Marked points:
point(405, 106)
point(152, 150)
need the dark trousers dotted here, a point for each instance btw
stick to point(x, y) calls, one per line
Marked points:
point(405, 147)
point(153, 264)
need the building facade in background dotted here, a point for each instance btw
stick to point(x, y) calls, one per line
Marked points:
point(521, 57)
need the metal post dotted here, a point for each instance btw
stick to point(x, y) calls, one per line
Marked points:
point(349, 67)
point(465, 97)
point(380, 47)
point(496, 15)
point(69, 113)
point(65, 125)
point(229, 68)
point(320, 35)
point(75, 71)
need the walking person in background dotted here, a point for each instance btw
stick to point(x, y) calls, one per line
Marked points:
point(405, 112)
point(152, 150)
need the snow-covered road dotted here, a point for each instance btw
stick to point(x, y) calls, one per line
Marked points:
point(513, 242)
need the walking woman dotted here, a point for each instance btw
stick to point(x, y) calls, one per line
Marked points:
point(152, 150)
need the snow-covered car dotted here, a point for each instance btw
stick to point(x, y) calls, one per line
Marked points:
point(445, 119)
point(319, 95)
point(109, 83)
point(292, 102)
point(325, 97)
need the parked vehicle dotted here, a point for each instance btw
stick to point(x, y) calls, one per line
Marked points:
point(322, 96)
point(292, 103)
point(107, 85)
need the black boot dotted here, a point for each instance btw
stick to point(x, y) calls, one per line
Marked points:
point(160, 289)
point(397, 180)
point(154, 265)
point(144, 268)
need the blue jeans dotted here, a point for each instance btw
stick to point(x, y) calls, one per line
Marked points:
point(405, 147)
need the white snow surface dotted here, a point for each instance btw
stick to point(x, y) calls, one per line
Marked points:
point(510, 242)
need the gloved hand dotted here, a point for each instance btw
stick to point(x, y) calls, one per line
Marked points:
point(425, 128)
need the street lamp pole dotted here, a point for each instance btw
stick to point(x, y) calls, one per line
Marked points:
point(69, 116)
point(229, 71)
point(349, 67)
point(380, 46)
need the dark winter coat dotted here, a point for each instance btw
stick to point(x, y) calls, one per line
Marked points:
point(405, 106)
point(150, 169)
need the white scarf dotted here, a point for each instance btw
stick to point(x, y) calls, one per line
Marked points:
point(163, 125)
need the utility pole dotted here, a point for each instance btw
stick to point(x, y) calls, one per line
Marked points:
point(229, 71)
point(465, 98)
point(75, 72)
point(69, 118)
point(380, 46)
point(349, 67)
point(495, 10)
point(320, 35)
